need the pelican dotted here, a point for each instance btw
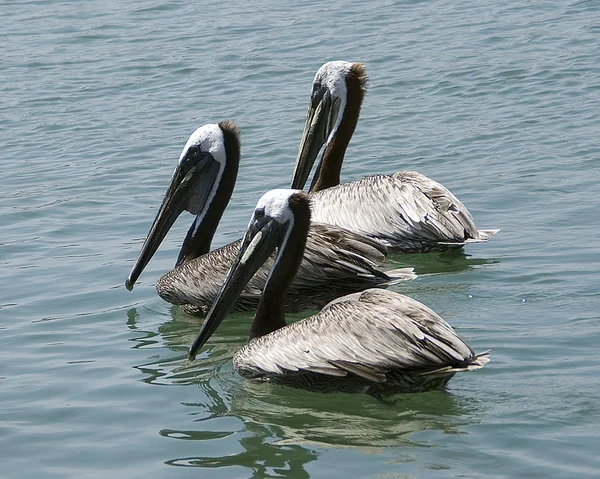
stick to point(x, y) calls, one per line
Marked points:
point(406, 211)
point(376, 341)
point(336, 261)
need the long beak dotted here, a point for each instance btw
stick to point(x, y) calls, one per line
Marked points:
point(261, 239)
point(185, 187)
point(316, 130)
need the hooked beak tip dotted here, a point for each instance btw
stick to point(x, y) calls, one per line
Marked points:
point(191, 356)
point(129, 284)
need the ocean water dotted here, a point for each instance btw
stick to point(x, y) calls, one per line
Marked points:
point(498, 101)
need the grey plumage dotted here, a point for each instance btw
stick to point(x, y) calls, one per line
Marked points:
point(335, 263)
point(375, 341)
point(405, 211)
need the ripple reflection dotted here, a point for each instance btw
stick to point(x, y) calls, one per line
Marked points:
point(273, 429)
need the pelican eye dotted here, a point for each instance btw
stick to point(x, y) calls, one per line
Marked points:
point(259, 213)
point(192, 157)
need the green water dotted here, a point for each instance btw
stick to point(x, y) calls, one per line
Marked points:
point(499, 102)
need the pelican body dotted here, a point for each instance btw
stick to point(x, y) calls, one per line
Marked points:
point(376, 341)
point(406, 211)
point(336, 261)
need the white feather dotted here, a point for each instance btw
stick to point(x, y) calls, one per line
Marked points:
point(333, 76)
point(210, 139)
point(275, 204)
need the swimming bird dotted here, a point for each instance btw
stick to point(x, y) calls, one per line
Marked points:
point(376, 341)
point(406, 211)
point(336, 261)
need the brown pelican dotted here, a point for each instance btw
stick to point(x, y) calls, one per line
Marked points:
point(336, 261)
point(406, 211)
point(375, 341)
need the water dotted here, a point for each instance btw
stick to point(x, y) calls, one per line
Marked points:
point(497, 101)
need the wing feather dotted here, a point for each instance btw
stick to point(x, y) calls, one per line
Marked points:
point(336, 262)
point(407, 211)
point(368, 334)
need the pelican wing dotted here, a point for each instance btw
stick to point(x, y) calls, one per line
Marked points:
point(406, 210)
point(367, 334)
point(198, 281)
point(336, 262)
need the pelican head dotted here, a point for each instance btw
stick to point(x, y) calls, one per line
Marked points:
point(337, 93)
point(278, 214)
point(207, 166)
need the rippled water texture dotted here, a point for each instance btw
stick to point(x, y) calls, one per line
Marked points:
point(499, 101)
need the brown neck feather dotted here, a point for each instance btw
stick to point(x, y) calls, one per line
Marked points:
point(328, 171)
point(195, 245)
point(270, 315)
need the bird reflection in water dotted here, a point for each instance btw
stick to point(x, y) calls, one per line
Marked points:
point(269, 429)
point(446, 262)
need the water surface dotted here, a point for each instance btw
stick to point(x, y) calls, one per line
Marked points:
point(499, 102)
